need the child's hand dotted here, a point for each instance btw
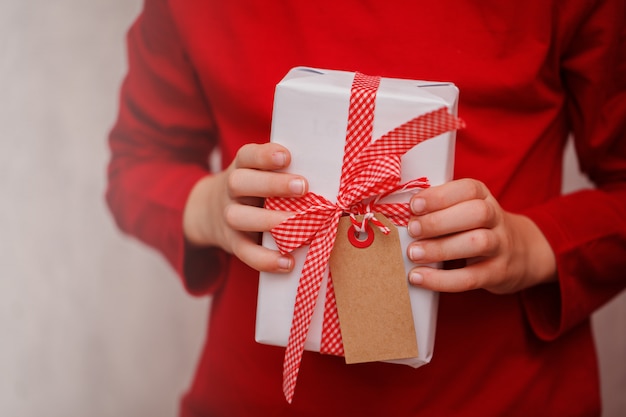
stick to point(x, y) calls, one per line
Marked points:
point(225, 209)
point(504, 252)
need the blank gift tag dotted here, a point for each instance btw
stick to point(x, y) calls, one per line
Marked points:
point(372, 295)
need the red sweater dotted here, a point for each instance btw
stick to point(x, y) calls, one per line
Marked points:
point(202, 74)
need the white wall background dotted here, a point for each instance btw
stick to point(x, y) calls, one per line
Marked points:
point(92, 323)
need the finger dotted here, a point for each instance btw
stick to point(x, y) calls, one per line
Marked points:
point(447, 195)
point(267, 156)
point(471, 244)
point(253, 219)
point(253, 183)
point(486, 274)
point(454, 280)
point(259, 257)
point(466, 215)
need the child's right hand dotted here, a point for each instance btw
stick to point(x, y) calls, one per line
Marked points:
point(226, 209)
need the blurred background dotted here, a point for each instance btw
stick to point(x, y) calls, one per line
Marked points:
point(91, 322)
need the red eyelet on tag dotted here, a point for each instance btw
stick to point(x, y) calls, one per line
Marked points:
point(353, 237)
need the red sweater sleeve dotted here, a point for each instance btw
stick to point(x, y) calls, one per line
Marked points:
point(587, 229)
point(160, 146)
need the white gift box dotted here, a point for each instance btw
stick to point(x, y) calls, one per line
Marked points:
point(310, 119)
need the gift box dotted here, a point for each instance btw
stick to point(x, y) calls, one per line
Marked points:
point(310, 118)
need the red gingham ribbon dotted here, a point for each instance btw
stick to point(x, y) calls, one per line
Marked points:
point(370, 170)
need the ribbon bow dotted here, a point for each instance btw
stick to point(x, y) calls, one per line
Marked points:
point(370, 170)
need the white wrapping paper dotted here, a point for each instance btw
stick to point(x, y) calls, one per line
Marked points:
point(310, 119)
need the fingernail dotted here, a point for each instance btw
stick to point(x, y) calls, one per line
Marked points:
point(279, 159)
point(284, 263)
point(296, 186)
point(416, 252)
point(418, 205)
point(416, 278)
point(415, 228)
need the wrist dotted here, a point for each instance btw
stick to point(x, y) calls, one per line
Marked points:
point(539, 261)
point(202, 206)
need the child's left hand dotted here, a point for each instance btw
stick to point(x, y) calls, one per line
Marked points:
point(504, 252)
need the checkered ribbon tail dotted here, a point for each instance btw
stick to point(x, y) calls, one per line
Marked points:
point(370, 170)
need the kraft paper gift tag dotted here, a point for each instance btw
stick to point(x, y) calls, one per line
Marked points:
point(372, 296)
